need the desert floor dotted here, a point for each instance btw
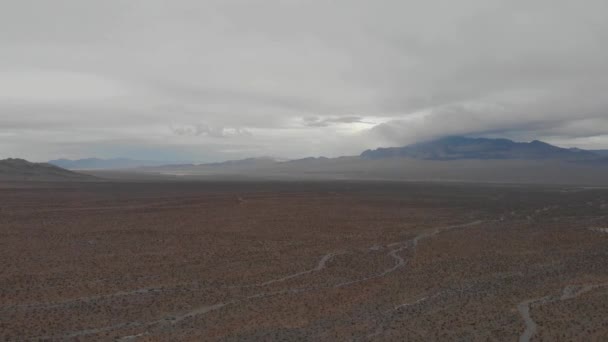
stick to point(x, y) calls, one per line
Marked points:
point(310, 261)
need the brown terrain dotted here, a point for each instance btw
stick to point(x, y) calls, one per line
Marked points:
point(302, 261)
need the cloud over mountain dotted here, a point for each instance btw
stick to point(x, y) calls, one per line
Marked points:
point(220, 79)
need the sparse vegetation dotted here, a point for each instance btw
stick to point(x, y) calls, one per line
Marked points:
point(301, 261)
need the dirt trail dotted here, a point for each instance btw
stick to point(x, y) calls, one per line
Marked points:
point(400, 262)
point(403, 245)
point(568, 292)
point(147, 290)
point(524, 310)
point(170, 320)
point(200, 311)
point(320, 266)
point(600, 230)
point(418, 301)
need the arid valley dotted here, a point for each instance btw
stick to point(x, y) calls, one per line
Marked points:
point(304, 171)
point(302, 261)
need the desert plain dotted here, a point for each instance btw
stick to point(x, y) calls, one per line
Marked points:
point(302, 261)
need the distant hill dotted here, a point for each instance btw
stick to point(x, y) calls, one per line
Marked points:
point(453, 159)
point(102, 164)
point(548, 171)
point(247, 162)
point(454, 148)
point(603, 153)
point(13, 169)
point(228, 166)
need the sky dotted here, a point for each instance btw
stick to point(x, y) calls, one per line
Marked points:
point(212, 80)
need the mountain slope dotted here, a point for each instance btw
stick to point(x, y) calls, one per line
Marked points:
point(228, 166)
point(101, 164)
point(247, 162)
point(13, 169)
point(454, 148)
point(603, 153)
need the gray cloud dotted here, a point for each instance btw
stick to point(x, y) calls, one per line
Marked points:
point(315, 121)
point(216, 79)
point(206, 130)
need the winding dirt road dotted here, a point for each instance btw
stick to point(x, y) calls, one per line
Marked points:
point(568, 292)
point(167, 321)
point(320, 266)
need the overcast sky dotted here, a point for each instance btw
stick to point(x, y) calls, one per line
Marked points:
point(208, 80)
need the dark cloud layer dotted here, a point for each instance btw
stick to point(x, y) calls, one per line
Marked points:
point(223, 79)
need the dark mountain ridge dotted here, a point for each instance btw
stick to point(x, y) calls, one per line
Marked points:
point(14, 169)
point(455, 147)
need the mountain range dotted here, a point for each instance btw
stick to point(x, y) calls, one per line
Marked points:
point(455, 148)
point(101, 164)
point(447, 148)
point(14, 169)
point(445, 159)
